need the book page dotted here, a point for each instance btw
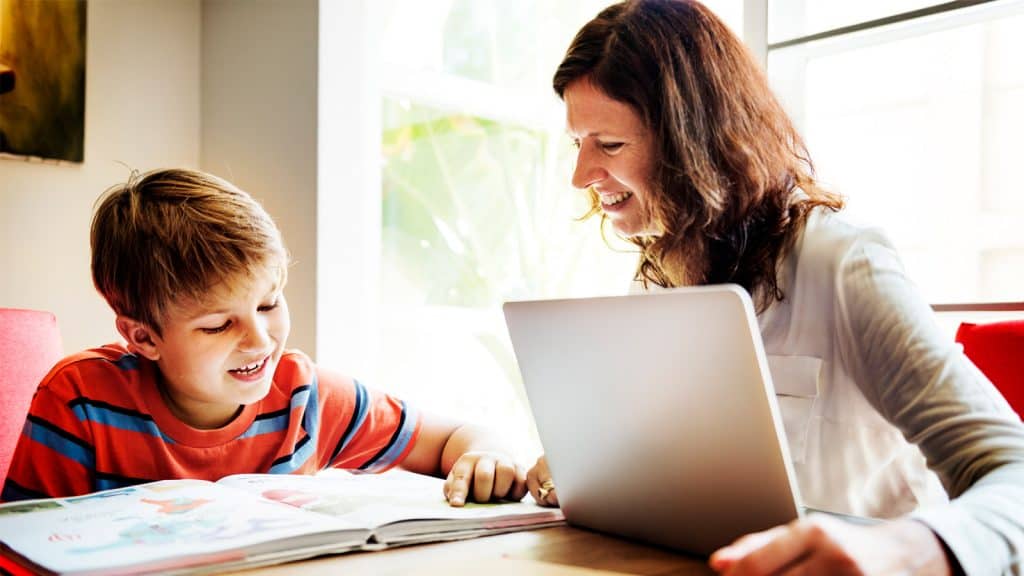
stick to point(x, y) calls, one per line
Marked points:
point(163, 525)
point(393, 497)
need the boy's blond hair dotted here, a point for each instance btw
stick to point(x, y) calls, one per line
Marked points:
point(169, 236)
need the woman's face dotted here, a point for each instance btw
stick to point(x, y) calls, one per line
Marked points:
point(615, 158)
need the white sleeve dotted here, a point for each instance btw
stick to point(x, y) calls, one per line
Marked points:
point(919, 380)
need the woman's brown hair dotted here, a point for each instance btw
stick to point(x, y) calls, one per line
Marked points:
point(733, 183)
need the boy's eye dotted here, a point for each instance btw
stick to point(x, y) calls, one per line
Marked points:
point(267, 307)
point(218, 329)
point(576, 143)
point(611, 146)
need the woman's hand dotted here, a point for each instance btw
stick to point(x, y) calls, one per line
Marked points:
point(821, 544)
point(542, 488)
point(484, 476)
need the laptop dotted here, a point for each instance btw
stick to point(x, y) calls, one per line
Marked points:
point(657, 414)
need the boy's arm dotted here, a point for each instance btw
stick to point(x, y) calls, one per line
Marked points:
point(53, 457)
point(475, 462)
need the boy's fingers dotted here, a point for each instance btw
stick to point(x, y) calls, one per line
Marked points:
point(461, 474)
point(449, 484)
point(483, 479)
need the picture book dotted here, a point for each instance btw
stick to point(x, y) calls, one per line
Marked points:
point(195, 526)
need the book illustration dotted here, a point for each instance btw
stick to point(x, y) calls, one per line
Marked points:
point(35, 505)
point(182, 520)
point(342, 504)
point(150, 522)
point(335, 503)
point(145, 532)
point(32, 506)
point(97, 495)
point(177, 505)
point(369, 499)
point(243, 520)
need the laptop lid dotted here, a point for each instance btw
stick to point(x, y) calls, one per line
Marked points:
point(657, 414)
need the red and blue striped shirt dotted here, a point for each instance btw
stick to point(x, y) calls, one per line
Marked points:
point(98, 421)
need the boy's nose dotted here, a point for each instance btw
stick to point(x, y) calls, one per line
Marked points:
point(257, 336)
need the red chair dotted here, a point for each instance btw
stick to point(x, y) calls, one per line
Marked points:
point(997, 349)
point(29, 346)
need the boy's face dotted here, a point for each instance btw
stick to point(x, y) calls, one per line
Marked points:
point(222, 353)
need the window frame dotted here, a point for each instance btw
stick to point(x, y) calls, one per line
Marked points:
point(890, 28)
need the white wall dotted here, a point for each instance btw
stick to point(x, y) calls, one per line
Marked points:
point(258, 124)
point(228, 86)
point(349, 219)
point(142, 109)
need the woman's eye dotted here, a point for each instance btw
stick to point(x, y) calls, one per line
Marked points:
point(218, 329)
point(575, 144)
point(267, 307)
point(611, 146)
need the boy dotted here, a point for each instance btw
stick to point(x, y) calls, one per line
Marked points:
point(194, 268)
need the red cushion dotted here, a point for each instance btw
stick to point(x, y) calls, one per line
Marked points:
point(997, 348)
point(29, 346)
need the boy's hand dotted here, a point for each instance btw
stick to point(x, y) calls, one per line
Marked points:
point(484, 476)
point(542, 488)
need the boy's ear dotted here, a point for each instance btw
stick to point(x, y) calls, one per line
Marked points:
point(140, 338)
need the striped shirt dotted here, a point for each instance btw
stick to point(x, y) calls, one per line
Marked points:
point(98, 421)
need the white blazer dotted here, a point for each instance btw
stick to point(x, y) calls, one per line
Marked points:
point(883, 413)
point(839, 346)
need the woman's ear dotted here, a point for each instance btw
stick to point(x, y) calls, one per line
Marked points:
point(141, 339)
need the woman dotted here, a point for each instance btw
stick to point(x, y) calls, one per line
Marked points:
point(685, 152)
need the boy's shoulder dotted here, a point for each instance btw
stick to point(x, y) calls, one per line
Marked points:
point(108, 364)
point(295, 363)
point(296, 370)
point(296, 356)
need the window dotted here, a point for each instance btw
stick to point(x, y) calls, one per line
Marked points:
point(467, 204)
point(919, 122)
point(476, 202)
point(789, 19)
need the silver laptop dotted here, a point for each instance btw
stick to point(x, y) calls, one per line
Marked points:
point(657, 414)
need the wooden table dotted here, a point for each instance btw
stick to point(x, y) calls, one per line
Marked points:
point(559, 551)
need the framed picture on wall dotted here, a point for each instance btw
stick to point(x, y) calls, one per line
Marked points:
point(42, 79)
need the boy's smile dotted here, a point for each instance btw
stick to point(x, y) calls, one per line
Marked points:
point(220, 354)
point(251, 372)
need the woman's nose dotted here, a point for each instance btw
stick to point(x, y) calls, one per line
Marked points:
point(588, 169)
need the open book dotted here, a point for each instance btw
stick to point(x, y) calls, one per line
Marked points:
point(245, 520)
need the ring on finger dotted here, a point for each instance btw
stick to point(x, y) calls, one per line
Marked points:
point(545, 488)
